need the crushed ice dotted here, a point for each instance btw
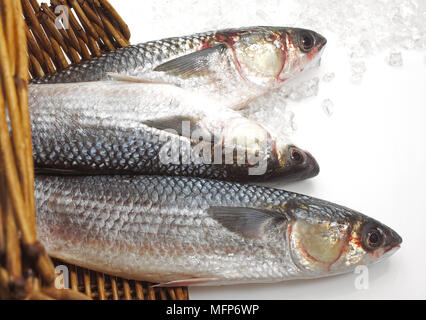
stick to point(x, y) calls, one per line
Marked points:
point(366, 27)
point(363, 28)
point(305, 90)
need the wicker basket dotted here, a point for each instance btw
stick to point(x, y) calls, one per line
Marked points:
point(50, 38)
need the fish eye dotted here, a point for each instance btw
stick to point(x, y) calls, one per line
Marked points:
point(296, 155)
point(307, 41)
point(373, 238)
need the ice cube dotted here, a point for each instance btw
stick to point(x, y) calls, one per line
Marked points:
point(295, 95)
point(358, 69)
point(328, 107)
point(395, 59)
point(328, 77)
point(303, 90)
point(262, 15)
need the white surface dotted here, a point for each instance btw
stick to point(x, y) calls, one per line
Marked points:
point(371, 149)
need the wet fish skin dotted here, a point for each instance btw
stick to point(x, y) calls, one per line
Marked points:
point(103, 128)
point(137, 60)
point(188, 231)
point(132, 60)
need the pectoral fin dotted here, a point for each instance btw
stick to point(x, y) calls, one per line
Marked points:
point(185, 282)
point(184, 126)
point(251, 223)
point(193, 64)
point(180, 124)
point(126, 78)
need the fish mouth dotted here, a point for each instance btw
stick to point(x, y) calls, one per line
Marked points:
point(300, 165)
point(311, 166)
point(314, 165)
point(322, 42)
point(394, 240)
point(390, 251)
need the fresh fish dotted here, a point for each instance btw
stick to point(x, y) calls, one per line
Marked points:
point(233, 65)
point(187, 231)
point(111, 127)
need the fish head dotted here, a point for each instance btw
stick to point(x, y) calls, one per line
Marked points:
point(267, 56)
point(304, 49)
point(329, 239)
point(256, 146)
point(296, 164)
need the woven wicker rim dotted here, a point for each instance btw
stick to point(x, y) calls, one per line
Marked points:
point(38, 45)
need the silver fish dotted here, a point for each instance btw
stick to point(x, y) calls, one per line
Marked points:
point(186, 231)
point(111, 127)
point(234, 65)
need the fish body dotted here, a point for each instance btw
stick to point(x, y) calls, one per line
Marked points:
point(187, 231)
point(118, 127)
point(234, 66)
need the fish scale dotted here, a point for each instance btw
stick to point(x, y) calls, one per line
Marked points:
point(119, 147)
point(162, 229)
point(132, 60)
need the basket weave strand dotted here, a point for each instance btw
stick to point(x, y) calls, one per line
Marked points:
point(17, 209)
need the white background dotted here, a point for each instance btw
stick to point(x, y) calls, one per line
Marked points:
point(371, 149)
